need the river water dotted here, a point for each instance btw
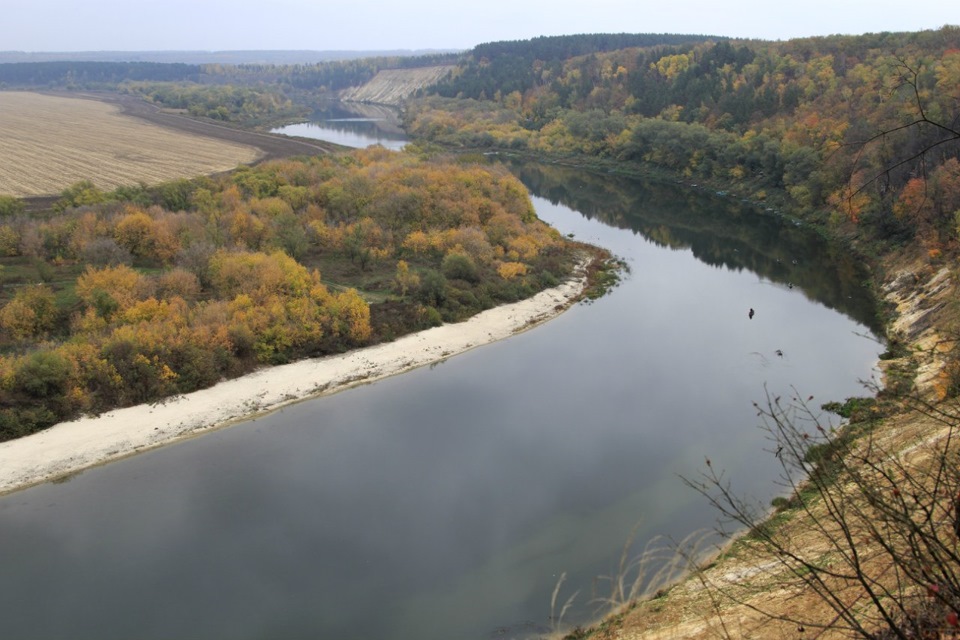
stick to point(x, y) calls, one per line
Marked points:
point(351, 125)
point(447, 502)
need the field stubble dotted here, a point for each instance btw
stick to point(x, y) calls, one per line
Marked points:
point(49, 142)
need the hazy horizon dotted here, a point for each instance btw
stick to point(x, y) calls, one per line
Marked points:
point(71, 26)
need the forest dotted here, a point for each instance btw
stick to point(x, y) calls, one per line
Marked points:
point(856, 133)
point(113, 299)
point(125, 297)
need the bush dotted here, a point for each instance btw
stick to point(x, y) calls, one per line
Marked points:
point(105, 252)
point(43, 375)
point(460, 266)
point(10, 206)
point(433, 289)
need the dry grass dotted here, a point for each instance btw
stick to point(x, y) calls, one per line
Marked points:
point(742, 594)
point(48, 143)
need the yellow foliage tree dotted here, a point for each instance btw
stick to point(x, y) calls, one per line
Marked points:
point(30, 315)
point(111, 289)
point(405, 280)
point(510, 270)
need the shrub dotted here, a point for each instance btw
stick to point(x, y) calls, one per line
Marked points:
point(10, 206)
point(890, 567)
point(460, 266)
point(433, 289)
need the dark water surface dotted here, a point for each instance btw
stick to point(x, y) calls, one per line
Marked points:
point(446, 502)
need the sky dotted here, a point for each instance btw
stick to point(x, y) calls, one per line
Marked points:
point(370, 25)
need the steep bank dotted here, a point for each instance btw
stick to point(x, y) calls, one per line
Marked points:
point(393, 86)
point(748, 591)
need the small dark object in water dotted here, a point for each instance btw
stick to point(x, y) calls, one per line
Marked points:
point(750, 315)
point(779, 353)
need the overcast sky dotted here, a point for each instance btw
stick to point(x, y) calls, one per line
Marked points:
point(216, 25)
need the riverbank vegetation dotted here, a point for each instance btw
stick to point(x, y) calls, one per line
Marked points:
point(856, 134)
point(860, 136)
point(242, 106)
point(831, 129)
point(125, 297)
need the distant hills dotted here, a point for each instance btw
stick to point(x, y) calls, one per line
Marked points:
point(278, 57)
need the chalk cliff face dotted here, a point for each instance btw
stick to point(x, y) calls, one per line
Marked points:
point(392, 86)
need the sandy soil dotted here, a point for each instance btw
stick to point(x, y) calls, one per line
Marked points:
point(71, 446)
point(751, 594)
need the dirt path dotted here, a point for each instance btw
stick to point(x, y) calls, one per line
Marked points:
point(272, 145)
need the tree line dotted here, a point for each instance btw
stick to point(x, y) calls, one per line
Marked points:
point(93, 75)
point(812, 126)
point(316, 78)
point(508, 66)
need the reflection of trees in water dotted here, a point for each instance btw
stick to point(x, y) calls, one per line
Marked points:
point(719, 231)
point(367, 118)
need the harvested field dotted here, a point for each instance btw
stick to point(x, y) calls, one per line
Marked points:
point(50, 142)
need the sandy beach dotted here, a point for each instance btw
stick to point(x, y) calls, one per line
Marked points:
point(69, 447)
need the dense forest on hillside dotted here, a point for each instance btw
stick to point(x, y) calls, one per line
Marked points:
point(130, 296)
point(504, 67)
point(830, 128)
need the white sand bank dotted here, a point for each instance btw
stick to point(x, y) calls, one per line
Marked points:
point(71, 446)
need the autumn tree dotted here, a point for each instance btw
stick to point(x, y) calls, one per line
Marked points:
point(30, 315)
point(111, 289)
point(144, 237)
point(222, 283)
point(405, 279)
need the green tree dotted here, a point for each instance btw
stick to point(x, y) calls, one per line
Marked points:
point(459, 266)
point(10, 206)
point(79, 194)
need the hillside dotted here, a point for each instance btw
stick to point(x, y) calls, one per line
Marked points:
point(393, 86)
point(830, 129)
point(858, 135)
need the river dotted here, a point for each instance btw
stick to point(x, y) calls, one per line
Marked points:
point(448, 501)
point(350, 125)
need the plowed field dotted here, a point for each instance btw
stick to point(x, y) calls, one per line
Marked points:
point(49, 142)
